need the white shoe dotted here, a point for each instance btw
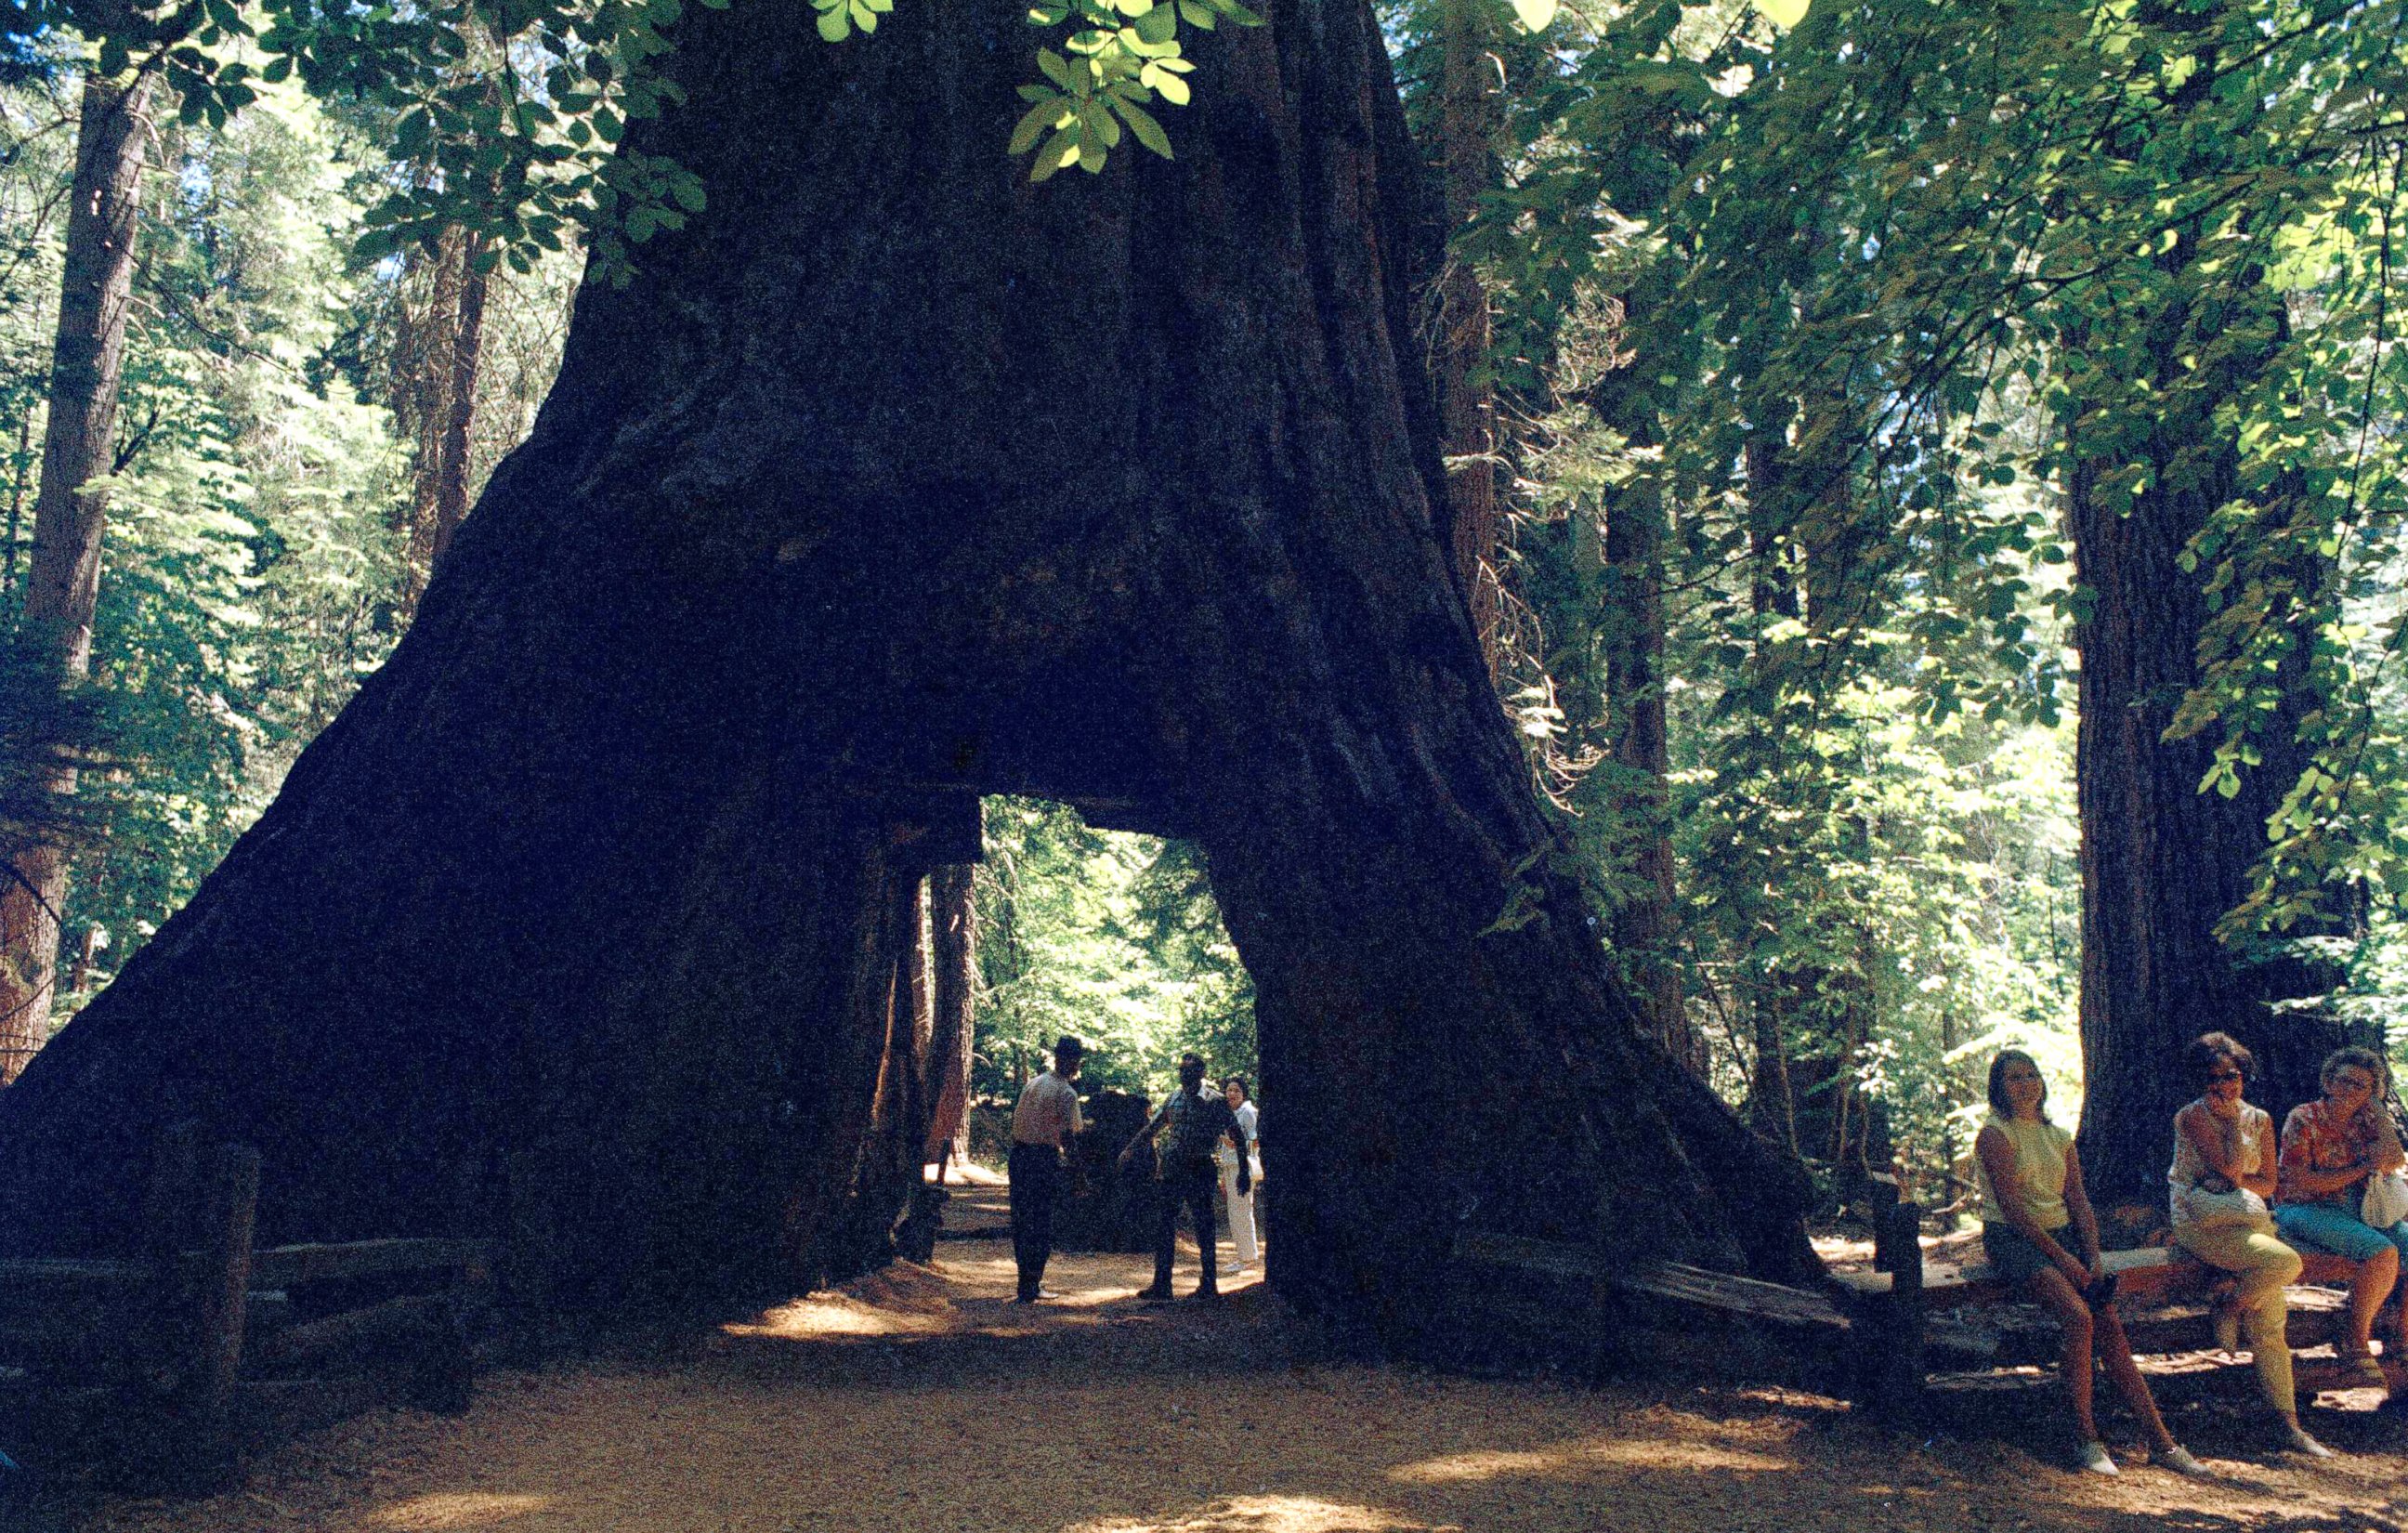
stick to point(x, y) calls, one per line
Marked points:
point(2095, 1459)
point(2303, 1443)
point(2179, 1460)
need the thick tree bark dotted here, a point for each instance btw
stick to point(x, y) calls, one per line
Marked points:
point(860, 1233)
point(2162, 860)
point(952, 917)
point(437, 361)
point(453, 467)
point(1645, 932)
point(1467, 402)
point(851, 503)
point(63, 579)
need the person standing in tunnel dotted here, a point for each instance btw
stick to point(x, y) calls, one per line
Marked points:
point(1198, 1120)
point(1245, 1148)
point(1043, 1124)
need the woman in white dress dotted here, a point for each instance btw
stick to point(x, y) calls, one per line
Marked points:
point(1244, 1233)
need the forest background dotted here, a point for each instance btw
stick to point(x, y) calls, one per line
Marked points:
point(1789, 359)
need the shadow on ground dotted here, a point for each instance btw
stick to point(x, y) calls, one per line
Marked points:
point(924, 1401)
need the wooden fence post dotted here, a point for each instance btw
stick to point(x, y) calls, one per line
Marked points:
point(1891, 1359)
point(221, 1286)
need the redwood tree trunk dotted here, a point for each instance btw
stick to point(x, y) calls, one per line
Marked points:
point(63, 581)
point(455, 468)
point(953, 919)
point(582, 906)
point(2162, 860)
point(1634, 662)
point(437, 363)
point(1467, 402)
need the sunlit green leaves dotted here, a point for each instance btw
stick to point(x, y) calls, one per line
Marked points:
point(1117, 58)
point(840, 19)
point(1535, 15)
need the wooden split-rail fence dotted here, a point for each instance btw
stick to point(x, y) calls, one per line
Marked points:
point(164, 1364)
point(1867, 1335)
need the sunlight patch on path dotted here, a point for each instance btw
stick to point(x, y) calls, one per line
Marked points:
point(897, 1301)
point(1273, 1515)
point(1571, 1458)
point(454, 1511)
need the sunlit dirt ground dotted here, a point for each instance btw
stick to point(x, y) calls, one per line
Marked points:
point(924, 1401)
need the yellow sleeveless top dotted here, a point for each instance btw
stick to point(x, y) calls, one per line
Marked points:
point(2039, 1166)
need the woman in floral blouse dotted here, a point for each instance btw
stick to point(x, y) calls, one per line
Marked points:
point(2331, 1146)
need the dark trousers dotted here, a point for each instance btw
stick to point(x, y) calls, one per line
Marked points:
point(1035, 1182)
point(1194, 1190)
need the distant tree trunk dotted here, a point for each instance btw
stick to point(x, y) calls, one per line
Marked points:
point(1467, 402)
point(1772, 1109)
point(2162, 860)
point(1772, 593)
point(427, 307)
point(16, 510)
point(455, 466)
point(859, 1234)
point(1645, 930)
point(595, 880)
point(63, 581)
point(953, 919)
point(437, 360)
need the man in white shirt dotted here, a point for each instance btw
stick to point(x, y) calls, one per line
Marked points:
point(1043, 1126)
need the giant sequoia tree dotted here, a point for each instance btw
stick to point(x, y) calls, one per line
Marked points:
point(892, 480)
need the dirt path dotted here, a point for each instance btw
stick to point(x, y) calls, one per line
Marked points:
point(927, 1402)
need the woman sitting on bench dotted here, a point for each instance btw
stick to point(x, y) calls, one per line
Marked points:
point(2329, 1148)
point(2222, 1175)
point(2032, 1200)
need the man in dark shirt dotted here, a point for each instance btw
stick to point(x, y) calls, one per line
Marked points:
point(1198, 1120)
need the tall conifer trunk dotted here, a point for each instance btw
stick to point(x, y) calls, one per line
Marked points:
point(63, 579)
point(1467, 402)
point(1644, 928)
point(438, 363)
point(953, 919)
point(2162, 861)
point(890, 479)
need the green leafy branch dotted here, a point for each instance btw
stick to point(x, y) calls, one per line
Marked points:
point(1121, 57)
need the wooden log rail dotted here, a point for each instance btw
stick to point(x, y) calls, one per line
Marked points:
point(1570, 1305)
point(1889, 1307)
point(1864, 1336)
point(163, 1362)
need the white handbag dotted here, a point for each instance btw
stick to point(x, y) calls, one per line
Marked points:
point(2385, 1202)
point(2209, 1210)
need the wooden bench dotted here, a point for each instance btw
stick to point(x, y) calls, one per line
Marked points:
point(162, 1363)
point(1555, 1303)
point(1890, 1306)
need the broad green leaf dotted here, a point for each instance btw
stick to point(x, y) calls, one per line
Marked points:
point(1048, 113)
point(1159, 24)
point(1782, 13)
point(1059, 151)
point(1142, 122)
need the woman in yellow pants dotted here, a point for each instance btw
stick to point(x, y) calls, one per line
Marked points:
point(2222, 1175)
